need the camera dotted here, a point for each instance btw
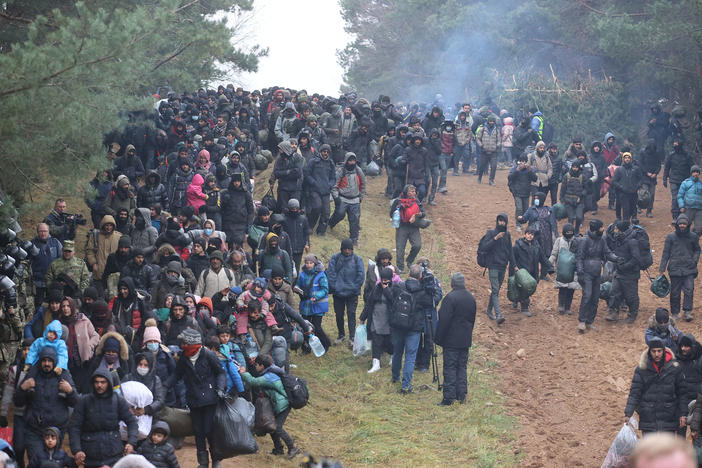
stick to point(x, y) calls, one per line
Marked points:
point(77, 218)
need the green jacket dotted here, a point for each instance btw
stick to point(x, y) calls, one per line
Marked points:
point(271, 384)
point(75, 268)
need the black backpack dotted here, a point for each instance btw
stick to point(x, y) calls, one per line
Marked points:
point(482, 251)
point(296, 390)
point(401, 313)
point(640, 235)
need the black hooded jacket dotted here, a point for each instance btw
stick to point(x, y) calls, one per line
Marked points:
point(153, 191)
point(499, 252)
point(691, 366)
point(592, 253)
point(529, 255)
point(430, 121)
point(161, 455)
point(681, 253)
point(202, 379)
point(237, 209)
point(151, 381)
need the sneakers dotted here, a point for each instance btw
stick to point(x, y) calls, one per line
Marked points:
point(406, 390)
point(514, 305)
point(340, 339)
point(561, 309)
point(390, 361)
point(442, 190)
point(490, 315)
point(582, 327)
point(630, 319)
point(432, 202)
point(375, 367)
point(568, 312)
point(492, 183)
point(649, 214)
point(591, 326)
point(612, 316)
point(526, 312)
point(500, 319)
point(293, 451)
point(687, 316)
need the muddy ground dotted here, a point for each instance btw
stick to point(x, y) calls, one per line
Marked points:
point(569, 393)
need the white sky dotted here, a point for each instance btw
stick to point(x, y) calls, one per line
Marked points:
point(303, 37)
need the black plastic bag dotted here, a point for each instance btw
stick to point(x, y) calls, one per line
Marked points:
point(231, 433)
point(660, 286)
point(264, 422)
point(269, 201)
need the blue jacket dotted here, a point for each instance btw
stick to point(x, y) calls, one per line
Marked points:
point(233, 376)
point(49, 250)
point(690, 194)
point(58, 344)
point(345, 275)
point(319, 289)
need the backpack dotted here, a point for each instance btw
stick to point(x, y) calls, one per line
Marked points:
point(226, 271)
point(408, 209)
point(401, 313)
point(296, 390)
point(482, 251)
point(640, 235)
point(643, 197)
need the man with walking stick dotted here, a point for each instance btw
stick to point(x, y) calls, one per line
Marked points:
point(454, 333)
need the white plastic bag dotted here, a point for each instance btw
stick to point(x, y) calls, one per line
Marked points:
point(360, 341)
point(137, 395)
point(623, 444)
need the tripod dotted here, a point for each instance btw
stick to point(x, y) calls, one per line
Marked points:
point(436, 378)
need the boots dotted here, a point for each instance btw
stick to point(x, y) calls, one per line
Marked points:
point(612, 315)
point(561, 309)
point(216, 463)
point(203, 459)
point(375, 367)
point(499, 318)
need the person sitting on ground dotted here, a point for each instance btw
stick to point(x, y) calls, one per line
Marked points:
point(662, 326)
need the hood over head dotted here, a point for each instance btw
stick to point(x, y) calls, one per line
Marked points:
point(56, 327)
point(106, 374)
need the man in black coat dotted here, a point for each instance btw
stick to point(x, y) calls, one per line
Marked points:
point(454, 333)
point(46, 398)
point(528, 254)
point(625, 285)
point(681, 254)
point(320, 178)
point(675, 170)
point(591, 255)
point(496, 244)
point(626, 181)
point(94, 431)
point(656, 391)
point(688, 355)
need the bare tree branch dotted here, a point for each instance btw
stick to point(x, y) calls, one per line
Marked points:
point(172, 56)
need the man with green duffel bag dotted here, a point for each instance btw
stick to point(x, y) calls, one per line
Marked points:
point(528, 255)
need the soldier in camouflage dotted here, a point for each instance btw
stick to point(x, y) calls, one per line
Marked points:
point(11, 325)
point(72, 266)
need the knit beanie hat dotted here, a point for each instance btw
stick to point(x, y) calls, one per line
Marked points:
point(655, 343)
point(124, 241)
point(662, 315)
point(151, 332)
point(190, 337)
point(111, 344)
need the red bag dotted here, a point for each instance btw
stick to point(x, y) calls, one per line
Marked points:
point(6, 434)
point(408, 208)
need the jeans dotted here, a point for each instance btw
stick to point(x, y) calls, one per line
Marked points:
point(280, 433)
point(455, 373)
point(521, 204)
point(381, 344)
point(674, 208)
point(319, 210)
point(626, 205)
point(354, 211)
point(695, 217)
point(589, 299)
point(684, 284)
point(507, 154)
point(388, 187)
point(625, 290)
point(404, 342)
point(316, 321)
point(202, 425)
point(434, 172)
point(444, 161)
point(421, 191)
point(463, 153)
point(496, 278)
point(575, 215)
point(349, 305)
point(485, 160)
point(402, 235)
point(553, 190)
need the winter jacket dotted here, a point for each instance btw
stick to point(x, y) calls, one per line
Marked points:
point(153, 191)
point(46, 406)
point(656, 394)
point(507, 133)
point(196, 197)
point(529, 255)
point(681, 253)
point(627, 178)
point(130, 166)
point(237, 210)
point(592, 253)
point(57, 344)
point(320, 175)
point(422, 303)
point(649, 160)
point(489, 140)
point(573, 188)
point(314, 281)
point(49, 250)
point(542, 166)
point(599, 161)
point(298, 229)
point(627, 251)
point(178, 184)
point(95, 425)
point(677, 167)
point(522, 138)
point(456, 320)
point(215, 281)
point(161, 455)
point(499, 252)
point(74, 268)
point(152, 381)
point(99, 246)
point(610, 153)
point(144, 239)
point(57, 456)
point(430, 121)
point(203, 379)
point(144, 276)
point(668, 334)
point(350, 186)
point(345, 275)
point(175, 327)
point(287, 170)
point(519, 181)
point(417, 164)
point(562, 243)
point(272, 386)
point(690, 194)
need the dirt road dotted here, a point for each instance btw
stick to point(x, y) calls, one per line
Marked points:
point(570, 391)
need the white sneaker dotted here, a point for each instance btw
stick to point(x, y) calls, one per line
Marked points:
point(375, 367)
point(390, 361)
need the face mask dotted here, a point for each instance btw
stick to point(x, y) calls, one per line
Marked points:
point(501, 228)
point(537, 202)
point(568, 235)
point(153, 347)
point(140, 223)
point(142, 371)
point(208, 231)
point(111, 358)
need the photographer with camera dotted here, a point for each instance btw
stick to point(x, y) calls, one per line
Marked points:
point(62, 225)
point(426, 351)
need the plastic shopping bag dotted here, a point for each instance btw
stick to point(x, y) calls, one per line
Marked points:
point(360, 341)
point(137, 395)
point(622, 446)
point(231, 432)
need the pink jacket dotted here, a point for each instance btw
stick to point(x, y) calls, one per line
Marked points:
point(242, 314)
point(196, 198)
point(86, 336)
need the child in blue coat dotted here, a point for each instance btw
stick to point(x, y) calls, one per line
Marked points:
point(52, 337)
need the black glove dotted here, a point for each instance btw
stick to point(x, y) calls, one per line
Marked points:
point(3, 421)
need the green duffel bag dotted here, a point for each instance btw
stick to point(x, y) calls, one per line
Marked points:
point(605, 290)
point(260, 162)
point(559, 211)
point(179, 421)
point(660, 286)
point(525, 282)
point(268, 155)
point(263, 134)
point(565, 270)
point(512, 291)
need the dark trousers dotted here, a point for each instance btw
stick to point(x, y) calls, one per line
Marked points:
point(462, 153)
point(318, 209)
point(426, 343)
point(348, 304)
point(589, 299)
point(553, 190)
point(316, 321)
point(18, 428)
point(626, 205)
point(455, 373)
point(565, 297)
point(354, 211)
point(627, 291)
point(651, 183)
point(284, 196)
point(497, 277)
point(521, 204)
point(202, 425)
point(280, 435)
point(674, 208)
point(575, 214)
point(297, 259)
point(612, 197)
point(388, 187)
point(485, 160)
point(678, 285)
point(381, 344)
point(403, 234)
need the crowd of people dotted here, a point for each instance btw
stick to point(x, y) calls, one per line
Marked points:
point(194, 289)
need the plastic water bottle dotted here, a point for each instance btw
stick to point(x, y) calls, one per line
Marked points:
point(316, 345)
point(396, 218)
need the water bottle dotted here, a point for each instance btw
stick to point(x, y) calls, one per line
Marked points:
point(396, 218)
point(251, 347)
point(316, 345)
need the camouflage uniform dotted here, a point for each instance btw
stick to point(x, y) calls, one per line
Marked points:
point(75, 268)
point(11, 327)
point(25, 291)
